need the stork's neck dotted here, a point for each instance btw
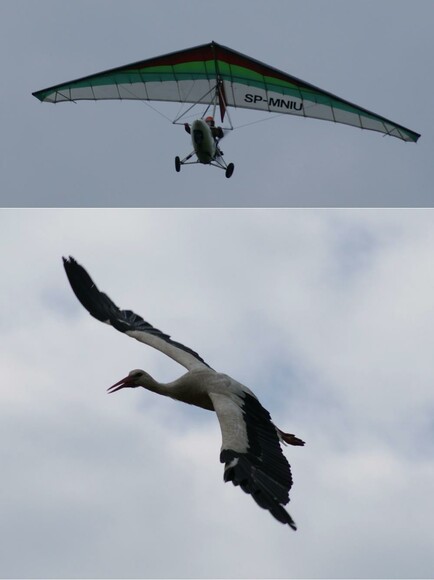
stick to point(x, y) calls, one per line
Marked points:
point(187, 388)
point(151, 384)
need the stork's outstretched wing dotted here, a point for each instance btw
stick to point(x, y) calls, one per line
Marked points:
point(104, 309)
point(252, 453)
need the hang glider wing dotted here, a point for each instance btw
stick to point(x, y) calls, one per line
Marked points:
point(213, 73)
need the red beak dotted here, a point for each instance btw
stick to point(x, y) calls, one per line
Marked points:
point(119, 385)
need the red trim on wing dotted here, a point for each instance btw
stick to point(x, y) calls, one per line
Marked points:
point(198, 53)
point(213, 51)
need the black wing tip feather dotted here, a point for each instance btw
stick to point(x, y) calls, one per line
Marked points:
point(95, 302)
point(101, 307)
point(239, 470)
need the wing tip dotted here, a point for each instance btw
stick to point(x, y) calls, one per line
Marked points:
point(69, 260)
point(238, 471)
point(71, 267)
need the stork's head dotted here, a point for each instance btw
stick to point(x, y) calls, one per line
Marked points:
point(135, 378)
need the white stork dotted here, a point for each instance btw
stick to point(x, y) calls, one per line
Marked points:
point(250, 441)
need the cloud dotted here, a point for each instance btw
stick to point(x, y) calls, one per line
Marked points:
point(325, 315)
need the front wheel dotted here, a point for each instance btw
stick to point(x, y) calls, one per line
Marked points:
point(229, 170)
point(177, 164)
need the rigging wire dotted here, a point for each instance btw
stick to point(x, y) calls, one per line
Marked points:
point(147, 103)
point(258, 121)
point(178, 116)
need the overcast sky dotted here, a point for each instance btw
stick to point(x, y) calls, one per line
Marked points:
point(376, 53)
point(327, 315)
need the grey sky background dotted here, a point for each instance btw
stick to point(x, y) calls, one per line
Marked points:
point(327, 315)
point(376, 53)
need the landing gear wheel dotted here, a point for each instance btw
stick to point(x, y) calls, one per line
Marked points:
point(177, 164)
point(229, 170)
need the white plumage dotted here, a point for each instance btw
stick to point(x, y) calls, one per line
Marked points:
point(250, 441)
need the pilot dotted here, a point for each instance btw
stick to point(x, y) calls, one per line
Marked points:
point(217, 132)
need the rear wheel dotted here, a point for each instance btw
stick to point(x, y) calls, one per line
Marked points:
point(229, 170)
point(177, 164)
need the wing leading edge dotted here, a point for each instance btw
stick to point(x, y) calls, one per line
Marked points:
point(101, 307)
